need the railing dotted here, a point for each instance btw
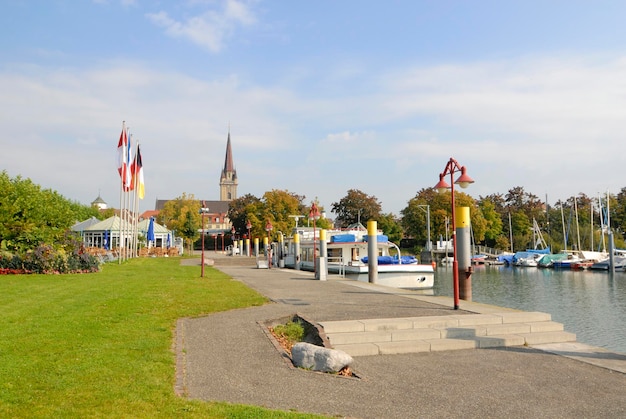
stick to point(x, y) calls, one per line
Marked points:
point(477, 250)
point(339, 261)
point(489, 251)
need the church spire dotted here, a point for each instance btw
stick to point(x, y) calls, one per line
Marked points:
point(228, 178)
point(228, 161)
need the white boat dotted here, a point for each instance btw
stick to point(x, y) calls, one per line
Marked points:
point(619, 263)
point(347, 252)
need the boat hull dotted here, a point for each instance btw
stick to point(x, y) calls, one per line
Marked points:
point(409, 276)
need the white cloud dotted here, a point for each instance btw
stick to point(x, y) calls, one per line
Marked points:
point(347, 137)
point(210, 29)
point(556, 99)
point(547, 125)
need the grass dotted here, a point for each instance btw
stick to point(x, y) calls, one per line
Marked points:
point(291, 331)
point(100, 345)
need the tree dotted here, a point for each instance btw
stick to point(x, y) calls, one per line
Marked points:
point(243, 209)
point(522, 230)
point(619, 213)
point(31, 216)
point(189, 229)
point(415, 215)
point(391, 227)
point(278, 205)
point(354, 207)
point(182, 215)
point(493, 221)
point(439, 205)
point(321, 222)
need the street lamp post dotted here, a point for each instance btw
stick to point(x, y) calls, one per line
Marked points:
point(463, 181)
point(314, 214)
point(296, 217)
point(268, 228)
point(232, 238)
point(204, 210)
point(249, 226)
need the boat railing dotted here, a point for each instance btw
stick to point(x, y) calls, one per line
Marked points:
point(397, 250)
point(339, 261)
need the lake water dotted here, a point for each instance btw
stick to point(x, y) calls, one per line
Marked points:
point(591, 304)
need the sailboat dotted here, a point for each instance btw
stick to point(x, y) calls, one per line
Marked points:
point(619, 256)
point(531, 257)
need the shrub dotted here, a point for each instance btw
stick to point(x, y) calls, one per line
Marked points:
point(46, 260)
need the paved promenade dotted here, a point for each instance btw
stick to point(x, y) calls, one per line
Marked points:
point(229, 357)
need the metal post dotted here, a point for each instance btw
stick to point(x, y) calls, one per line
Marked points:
point(314, 214)
point(372, 251)
point(249, 226)
point(464, 249)
point(202, 271)
point(204, 210)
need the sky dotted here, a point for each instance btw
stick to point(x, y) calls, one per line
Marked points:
point(319, 97)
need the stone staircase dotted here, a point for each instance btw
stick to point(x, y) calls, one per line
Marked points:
point(444, 333)
point(233, 261)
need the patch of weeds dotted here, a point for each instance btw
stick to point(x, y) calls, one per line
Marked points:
point(288, 334)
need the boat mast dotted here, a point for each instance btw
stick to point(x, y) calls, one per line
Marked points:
point(510, 231)
point(608, 211)
point(591, 218)
point(577, 227)
point(601, 221)
point(563, 224)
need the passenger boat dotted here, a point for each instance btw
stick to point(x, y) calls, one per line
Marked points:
point(347, 255)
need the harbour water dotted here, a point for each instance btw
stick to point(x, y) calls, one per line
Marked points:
point(591, 304)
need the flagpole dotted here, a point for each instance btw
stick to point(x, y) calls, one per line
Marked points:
point(128, 214)
point(121, 159)
point(135, 176)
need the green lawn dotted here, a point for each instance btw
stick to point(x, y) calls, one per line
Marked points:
point(100, 345)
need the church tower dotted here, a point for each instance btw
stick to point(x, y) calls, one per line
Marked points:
point(228, 178)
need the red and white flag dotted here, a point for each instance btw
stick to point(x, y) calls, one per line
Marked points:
point(123, 159)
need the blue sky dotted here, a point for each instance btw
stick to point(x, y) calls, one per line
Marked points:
point(321, 97)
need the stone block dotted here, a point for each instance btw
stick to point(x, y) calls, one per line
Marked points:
point(318, 358)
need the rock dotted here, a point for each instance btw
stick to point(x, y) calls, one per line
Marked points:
point(318, 358)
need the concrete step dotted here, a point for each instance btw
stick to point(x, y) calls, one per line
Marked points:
point(234, 261)
point(444, 333)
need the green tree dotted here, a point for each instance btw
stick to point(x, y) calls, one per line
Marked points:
point(354, 207)
point(415, 215)
point(189, 229)
point(522, 230)
point(493, 222)
point(243, 209)
point(31, 216)
point(322, 221)
point(390, 225)
point(182, 215)
point(618, 219)
point(440, 207)
point(278, 205)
